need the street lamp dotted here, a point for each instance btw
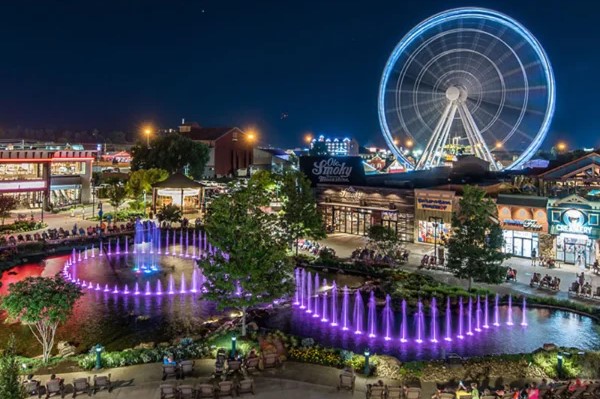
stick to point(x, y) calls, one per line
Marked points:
point(98, 349)
point(308, 138)
point(409, 143)
point(561, 146)
point(367, 368)
point(437, 222)
point(147, 132)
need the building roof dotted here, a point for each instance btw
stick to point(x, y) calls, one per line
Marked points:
point(177, 180)
point(522, 200)
point(199, 133)
point(570, 167)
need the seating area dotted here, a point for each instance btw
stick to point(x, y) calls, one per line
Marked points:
point(208, 389)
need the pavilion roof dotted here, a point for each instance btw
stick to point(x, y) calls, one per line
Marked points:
point(178, 180)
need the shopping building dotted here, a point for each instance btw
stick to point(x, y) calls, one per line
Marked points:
point(46, 178)
point(354, 209)
point(575, 224)
point(524, 223)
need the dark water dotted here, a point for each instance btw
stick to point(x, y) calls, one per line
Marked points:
point(114, 320)
point(544, 326)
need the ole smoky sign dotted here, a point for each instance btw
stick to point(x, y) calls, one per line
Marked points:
point(333, 170)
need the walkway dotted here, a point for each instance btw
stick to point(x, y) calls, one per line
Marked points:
point(297, 380)
point(344, 244)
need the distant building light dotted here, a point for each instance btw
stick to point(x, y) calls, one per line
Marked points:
point(588, 149)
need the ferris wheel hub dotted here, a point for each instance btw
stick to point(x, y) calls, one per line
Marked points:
point(455, 93)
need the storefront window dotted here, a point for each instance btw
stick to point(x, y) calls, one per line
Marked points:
point(31, 200)
point(67, 168)
point(21, 171)
point(429, 233)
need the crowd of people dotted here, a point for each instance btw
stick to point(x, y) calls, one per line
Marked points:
point(369, 255)
point(582, 287)
point(543, 390)
point(431, 262)
point(547, 281)
point(314, 247)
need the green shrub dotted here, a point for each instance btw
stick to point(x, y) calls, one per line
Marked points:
point(21, 226)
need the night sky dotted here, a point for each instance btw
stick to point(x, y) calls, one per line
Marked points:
point(114, 65)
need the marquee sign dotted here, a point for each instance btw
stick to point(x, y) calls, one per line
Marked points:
point(574, 221)
point(333, 170)
point(526, 224)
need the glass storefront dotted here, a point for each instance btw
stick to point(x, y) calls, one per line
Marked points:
point(520, 243)
point(30, 199)
point(400, 222)
point(343, 219)
point(429, 233)
point(65, 195)
point(577, 249)
point(357, 220)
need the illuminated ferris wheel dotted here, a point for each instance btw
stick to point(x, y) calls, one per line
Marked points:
point(467, 80)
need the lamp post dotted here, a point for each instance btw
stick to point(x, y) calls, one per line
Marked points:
point(233, 345)
point(98, 349)
point(437, 222)
point(367, 367)
point(144, 203)
point(559, 364)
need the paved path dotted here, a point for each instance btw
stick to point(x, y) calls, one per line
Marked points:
point(344, 244)
point(297, 380)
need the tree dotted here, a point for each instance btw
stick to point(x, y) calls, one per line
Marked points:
point(474, 247)
point(7, 204)
point(116, 196)
point(42, 304)
point(255, 269)
point(383, 238)
point(299, 214)
point(169, 213)
point(172, 152)
point(10, 386)
point(142, 180)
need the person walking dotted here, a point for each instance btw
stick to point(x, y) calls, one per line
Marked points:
point(533, 257)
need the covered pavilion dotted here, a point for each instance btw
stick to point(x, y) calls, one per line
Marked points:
point(178, 190)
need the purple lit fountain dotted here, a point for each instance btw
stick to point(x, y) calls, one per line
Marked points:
point(372, 316)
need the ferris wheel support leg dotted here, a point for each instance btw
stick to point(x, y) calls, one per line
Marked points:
point(484, 151)
point(439, 150)
point(469, 132)
point(427, 156)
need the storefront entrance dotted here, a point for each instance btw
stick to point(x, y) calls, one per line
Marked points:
point(520, 243)
point(575, 249)
point(357, 220)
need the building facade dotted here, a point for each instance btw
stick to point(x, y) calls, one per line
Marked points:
point(575, 225)
point(231, 149)
point(433, 215)
point(337, 146)
point(39, 178)
point(524, 222)
point(354, 209)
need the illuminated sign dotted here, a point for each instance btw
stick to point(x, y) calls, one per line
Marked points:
point(340, 170)
point(574, 221)
point(434, 204)
point(526, 224)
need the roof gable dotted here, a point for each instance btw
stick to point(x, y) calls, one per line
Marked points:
point(570, 168)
